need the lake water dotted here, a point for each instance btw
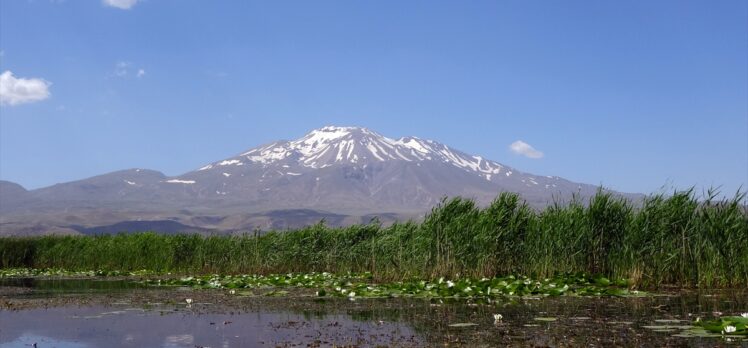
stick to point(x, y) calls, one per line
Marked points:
point(122, 313)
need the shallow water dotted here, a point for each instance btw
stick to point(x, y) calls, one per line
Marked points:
point(110, 326)
point(87, 313)
point(71, 285)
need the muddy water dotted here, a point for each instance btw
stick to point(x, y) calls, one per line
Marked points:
point(85, 313)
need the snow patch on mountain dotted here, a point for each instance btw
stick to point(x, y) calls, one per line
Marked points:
point(177, 181)
point(231, 162)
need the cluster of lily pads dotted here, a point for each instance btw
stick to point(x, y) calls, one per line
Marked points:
point(305, 280)
point(361, 285)
point(58, 272)
point(727, 325)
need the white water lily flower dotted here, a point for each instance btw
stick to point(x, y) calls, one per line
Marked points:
point(450, 284)
point(497, 318)
point(352, 294)
point(188, 300)
point(744, 315)
point(232, 291)
point(729, 329)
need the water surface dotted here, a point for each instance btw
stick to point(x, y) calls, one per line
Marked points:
point(87, 313)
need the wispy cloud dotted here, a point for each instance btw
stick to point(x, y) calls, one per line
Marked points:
point(15, 91)
point(124, 69)
point(120, 4)
point(121, 69)
point(522, 148)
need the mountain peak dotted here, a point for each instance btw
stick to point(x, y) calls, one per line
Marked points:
point(335, 145)
point(332, 128)
point(329, 134)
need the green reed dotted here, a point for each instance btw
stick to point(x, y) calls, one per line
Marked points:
point(675, 240)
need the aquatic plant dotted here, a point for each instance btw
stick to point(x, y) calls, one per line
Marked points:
point(353, 285)
point(732, 325)
point(59, 272)
point(677, 240)
point(497, 318)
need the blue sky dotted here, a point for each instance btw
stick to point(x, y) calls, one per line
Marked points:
point(631, 95)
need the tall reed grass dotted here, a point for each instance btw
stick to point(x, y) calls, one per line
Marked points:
point(675, 240)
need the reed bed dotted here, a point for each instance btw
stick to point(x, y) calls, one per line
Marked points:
point(665, 240)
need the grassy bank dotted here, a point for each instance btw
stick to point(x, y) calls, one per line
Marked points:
point(668, 240)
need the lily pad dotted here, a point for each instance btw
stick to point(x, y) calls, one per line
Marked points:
point(668, 327)
point(545, 319)
point(463, 324)
point(276, 293)
point(731, 325)
point(694, 332)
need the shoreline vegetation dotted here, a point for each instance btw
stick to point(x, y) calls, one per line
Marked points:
point(665, 241)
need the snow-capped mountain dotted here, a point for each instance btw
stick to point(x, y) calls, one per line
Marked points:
point(368, 171)
point(330, 145)
point(342, 174)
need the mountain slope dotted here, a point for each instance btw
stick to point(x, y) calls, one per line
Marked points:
point(355, 169)
point(13, 196)
point(348, 174)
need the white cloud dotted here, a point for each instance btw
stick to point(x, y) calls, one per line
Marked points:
point(120, 4)
point(124, 69)
point(522, 148)
point(121, 69)
point(14, 91)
